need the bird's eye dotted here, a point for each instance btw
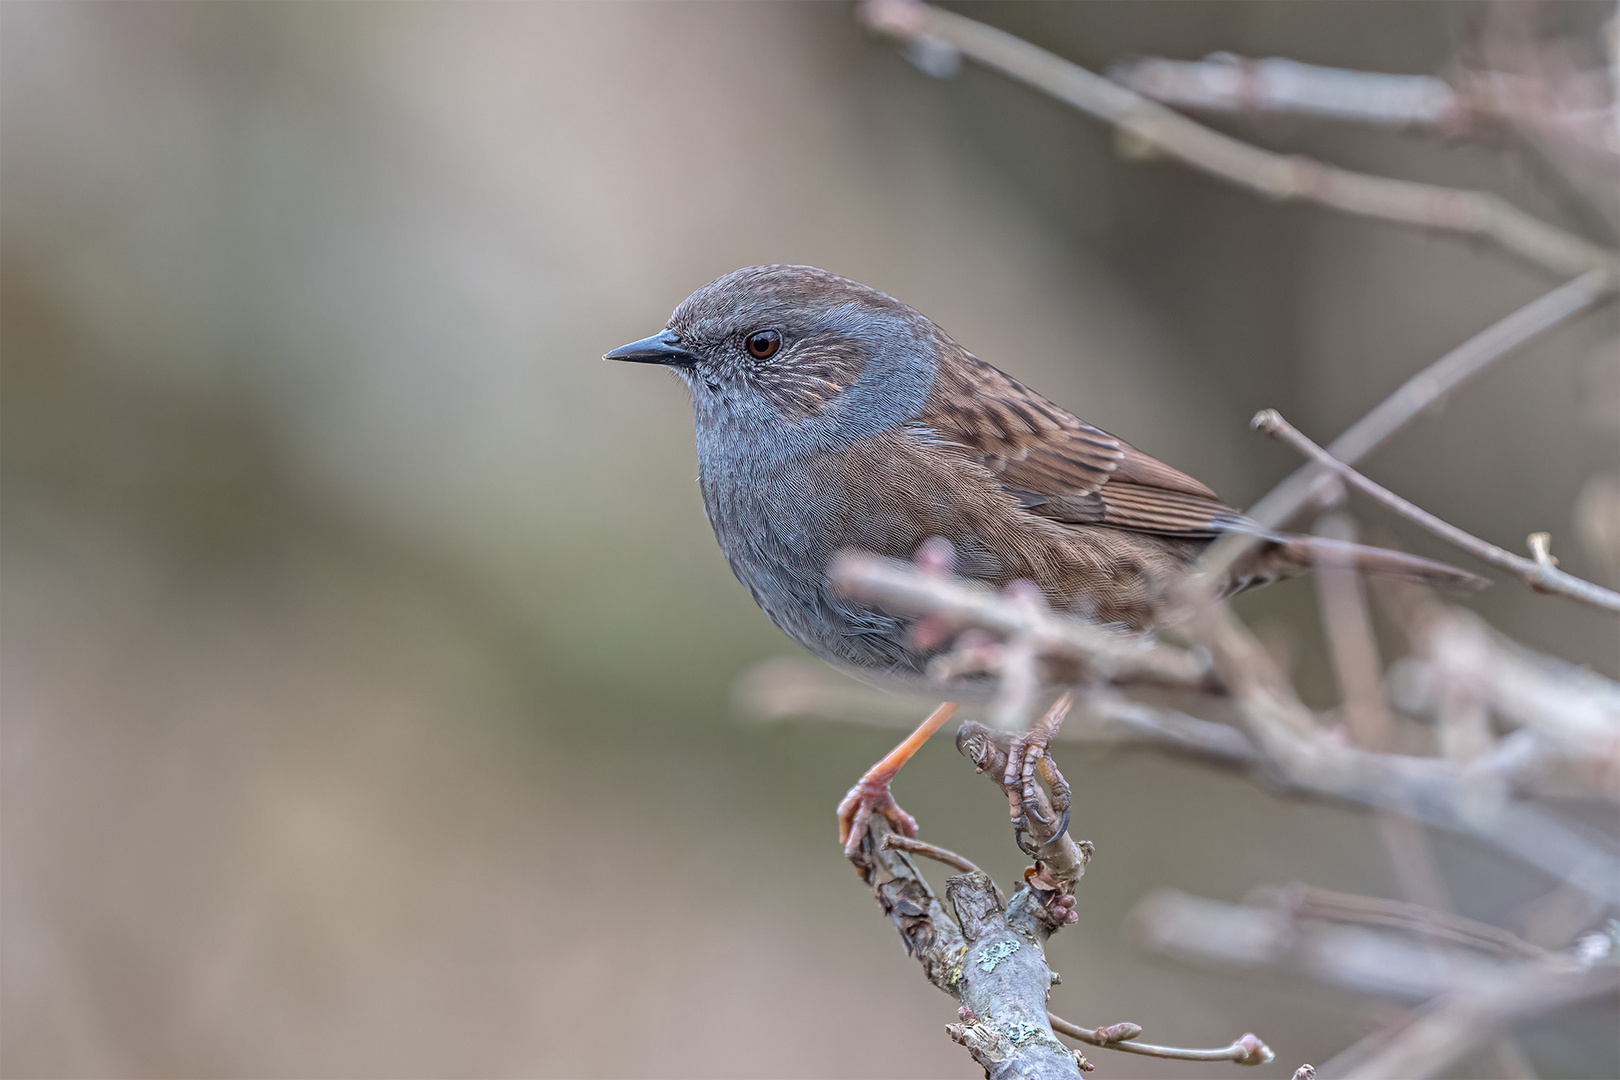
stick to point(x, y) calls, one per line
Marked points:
point(763, 344)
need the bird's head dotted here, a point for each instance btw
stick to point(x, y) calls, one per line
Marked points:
point(794, 358)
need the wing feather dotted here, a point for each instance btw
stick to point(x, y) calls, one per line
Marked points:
point(1059, 466)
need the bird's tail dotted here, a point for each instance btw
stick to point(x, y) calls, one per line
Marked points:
point(1286, 556)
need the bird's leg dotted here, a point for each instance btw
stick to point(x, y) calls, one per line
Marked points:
point(1026, 754)
point(871, 792)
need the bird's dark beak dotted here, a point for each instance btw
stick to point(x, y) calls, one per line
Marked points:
point(662, 348)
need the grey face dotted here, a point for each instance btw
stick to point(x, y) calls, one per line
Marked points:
point(791, 359)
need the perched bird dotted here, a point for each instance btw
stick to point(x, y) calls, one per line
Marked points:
point(830, 415)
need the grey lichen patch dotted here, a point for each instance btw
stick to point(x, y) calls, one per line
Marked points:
point(1022, 1031)
point(995, 953)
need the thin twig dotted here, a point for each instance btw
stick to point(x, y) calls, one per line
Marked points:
point(1279, 176)
point(899, 588)
point(896, 842)
point(1539, 573)
point(1246, 1050)
point(1453, 1025)
point(1418, 393)
point(1328, 905)
point(1432, 790)
point(1227, 83)
point(1364, 958)
point(787, 687)
point(1358, 668)
point(1472, 101)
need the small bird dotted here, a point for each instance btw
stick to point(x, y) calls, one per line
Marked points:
point(830, 415)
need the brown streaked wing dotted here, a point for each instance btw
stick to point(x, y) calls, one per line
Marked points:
point(1059, 466)
point(1029, 443)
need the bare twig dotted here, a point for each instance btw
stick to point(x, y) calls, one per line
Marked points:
point(1571, 715)
point(1467, 797)
point(1480, 683)
point(1327, 905)
point(1351, 644)
point(1245, 1050)
point(1432, 790)
point(896, 842)
point(1358, 668)
point(1458, 1022)
point(988, 956)
point(1509, 100)
point(1540, 573)
point(986, 952)
point(790, 688)
point(1418, 393)
point(1048, 892)
point(1226, 83)
point(1153, 127)
point(1357, 957)
point(901, 589)
point(1109, 719)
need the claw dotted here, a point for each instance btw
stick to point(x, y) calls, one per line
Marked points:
point(1062, 798)
point(1026, 756)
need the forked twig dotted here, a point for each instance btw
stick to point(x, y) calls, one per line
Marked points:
point(1541, 573)
point(1418, 393)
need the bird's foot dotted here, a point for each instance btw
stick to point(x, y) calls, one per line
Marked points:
point(1026, 756)
point(871, 794)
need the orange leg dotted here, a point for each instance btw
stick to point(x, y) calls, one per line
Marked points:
point(871, 792)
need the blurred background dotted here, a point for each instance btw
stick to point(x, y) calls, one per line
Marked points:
point(367, 658)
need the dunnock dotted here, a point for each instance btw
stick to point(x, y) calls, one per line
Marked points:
point(829, 415)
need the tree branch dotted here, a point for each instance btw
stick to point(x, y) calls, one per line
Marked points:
point(1367, 957)
point(1234, 84)
point(958, 604)
point(1472, 100)
point(1452, 1026)
point(1541, 573)
point(1152, 127)
point(989, 955)
point(787, 687)
point(1327, 905)
point(1418, 393)
point(1466, 797)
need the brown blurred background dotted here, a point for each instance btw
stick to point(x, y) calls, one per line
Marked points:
point(367, 659)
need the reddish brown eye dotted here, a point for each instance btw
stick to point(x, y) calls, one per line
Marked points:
point(763, 344)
